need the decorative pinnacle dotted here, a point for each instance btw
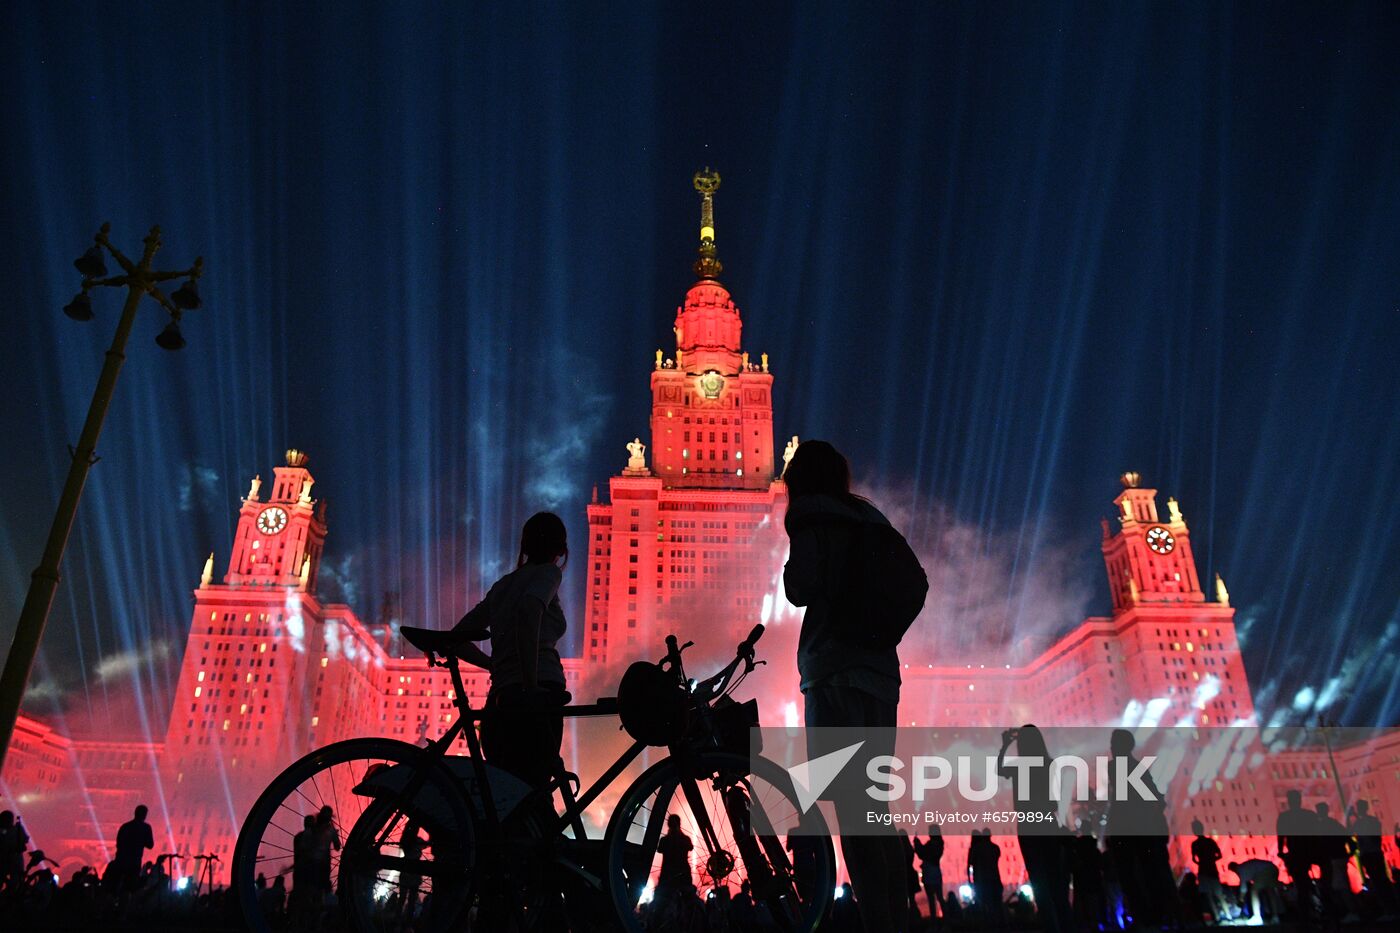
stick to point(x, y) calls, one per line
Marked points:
point(707, 265)
point(1130, 479)
point(296, 458)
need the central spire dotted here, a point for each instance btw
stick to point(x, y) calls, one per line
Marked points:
point(707, 265)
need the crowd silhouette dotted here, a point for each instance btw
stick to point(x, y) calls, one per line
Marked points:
point(129, 890)
point(1074, 881)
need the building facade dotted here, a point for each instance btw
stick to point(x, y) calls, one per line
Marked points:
point(688, 541)
point(691, 539)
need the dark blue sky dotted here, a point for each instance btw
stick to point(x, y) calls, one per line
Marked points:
point(999, 252)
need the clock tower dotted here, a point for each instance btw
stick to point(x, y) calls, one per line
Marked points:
point(279, 540)
point(1149, 560)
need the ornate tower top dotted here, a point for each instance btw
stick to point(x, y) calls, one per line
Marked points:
point(1149, 560)
point(279, 540)
point(707, 265)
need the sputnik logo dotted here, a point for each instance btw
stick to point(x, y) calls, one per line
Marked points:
point(811, 778)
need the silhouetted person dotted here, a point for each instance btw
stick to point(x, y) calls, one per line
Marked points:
point(134, 837)
point(1038, 831)
point(1367, 830)
point(524, 726)
point(1189, 894)
point(984, 873)
point(675, 879)
point(742, 911)
point(845, 683)
point(1330, 847)
point(911, 879)
point(1086, 873)
point(1206, 854)
point(930, 854)
point(325, 839)
point(806, 859)
point(845, 912)
point(277, 896)
point(952, 907)
point(1137, 836)
point(717, 907)
point(1296, 828)
point(411, 844)
point(303, 855)
point(13, 841)
point(1258, 887)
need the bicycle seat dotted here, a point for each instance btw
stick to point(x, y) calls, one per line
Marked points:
point(430, 640)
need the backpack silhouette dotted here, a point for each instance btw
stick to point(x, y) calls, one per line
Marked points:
point(884, 587)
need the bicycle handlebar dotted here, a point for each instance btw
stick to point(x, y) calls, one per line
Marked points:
point(707, 690)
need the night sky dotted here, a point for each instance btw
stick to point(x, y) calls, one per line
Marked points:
point(998, 252)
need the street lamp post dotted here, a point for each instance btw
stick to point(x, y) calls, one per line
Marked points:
point(1324, 723)
point(139, 279)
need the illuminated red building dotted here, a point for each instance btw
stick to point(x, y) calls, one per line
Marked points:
point(694, 538)
point(1168, 656)
point(689, 541)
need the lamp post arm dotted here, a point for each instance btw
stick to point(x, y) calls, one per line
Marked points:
point(111, 281)
point(43, 582)
point(167, 276)
point(105, 241)
point(163, 301)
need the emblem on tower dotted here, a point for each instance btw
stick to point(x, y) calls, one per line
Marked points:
point(711, 384)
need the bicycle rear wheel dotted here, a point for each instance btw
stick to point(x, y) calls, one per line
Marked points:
point(406, 862)
point(749, 804)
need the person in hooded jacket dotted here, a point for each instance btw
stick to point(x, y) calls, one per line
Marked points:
point(844, 684)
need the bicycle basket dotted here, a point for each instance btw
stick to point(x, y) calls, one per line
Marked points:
point(733, 720)
point(653, 707)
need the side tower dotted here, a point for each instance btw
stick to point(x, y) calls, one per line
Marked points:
point(279, 540)
point(242, 707)
point(1181, 658)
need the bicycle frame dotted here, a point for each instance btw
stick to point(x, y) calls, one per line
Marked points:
point(683, 751)
point(437, 751)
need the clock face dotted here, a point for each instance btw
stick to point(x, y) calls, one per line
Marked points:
point(272, 520)
point(711, 384)
point(1160, 540)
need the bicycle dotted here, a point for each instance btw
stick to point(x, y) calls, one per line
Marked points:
point(498, 855)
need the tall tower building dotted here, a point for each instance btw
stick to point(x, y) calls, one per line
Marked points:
point(691, 538)
point(255, 639)
point(711, 405)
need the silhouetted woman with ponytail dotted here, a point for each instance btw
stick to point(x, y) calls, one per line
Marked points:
point(524, 726)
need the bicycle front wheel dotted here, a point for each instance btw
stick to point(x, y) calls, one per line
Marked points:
point(732, 811)
point(373, 858)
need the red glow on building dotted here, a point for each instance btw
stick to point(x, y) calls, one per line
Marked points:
point(691, 543)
